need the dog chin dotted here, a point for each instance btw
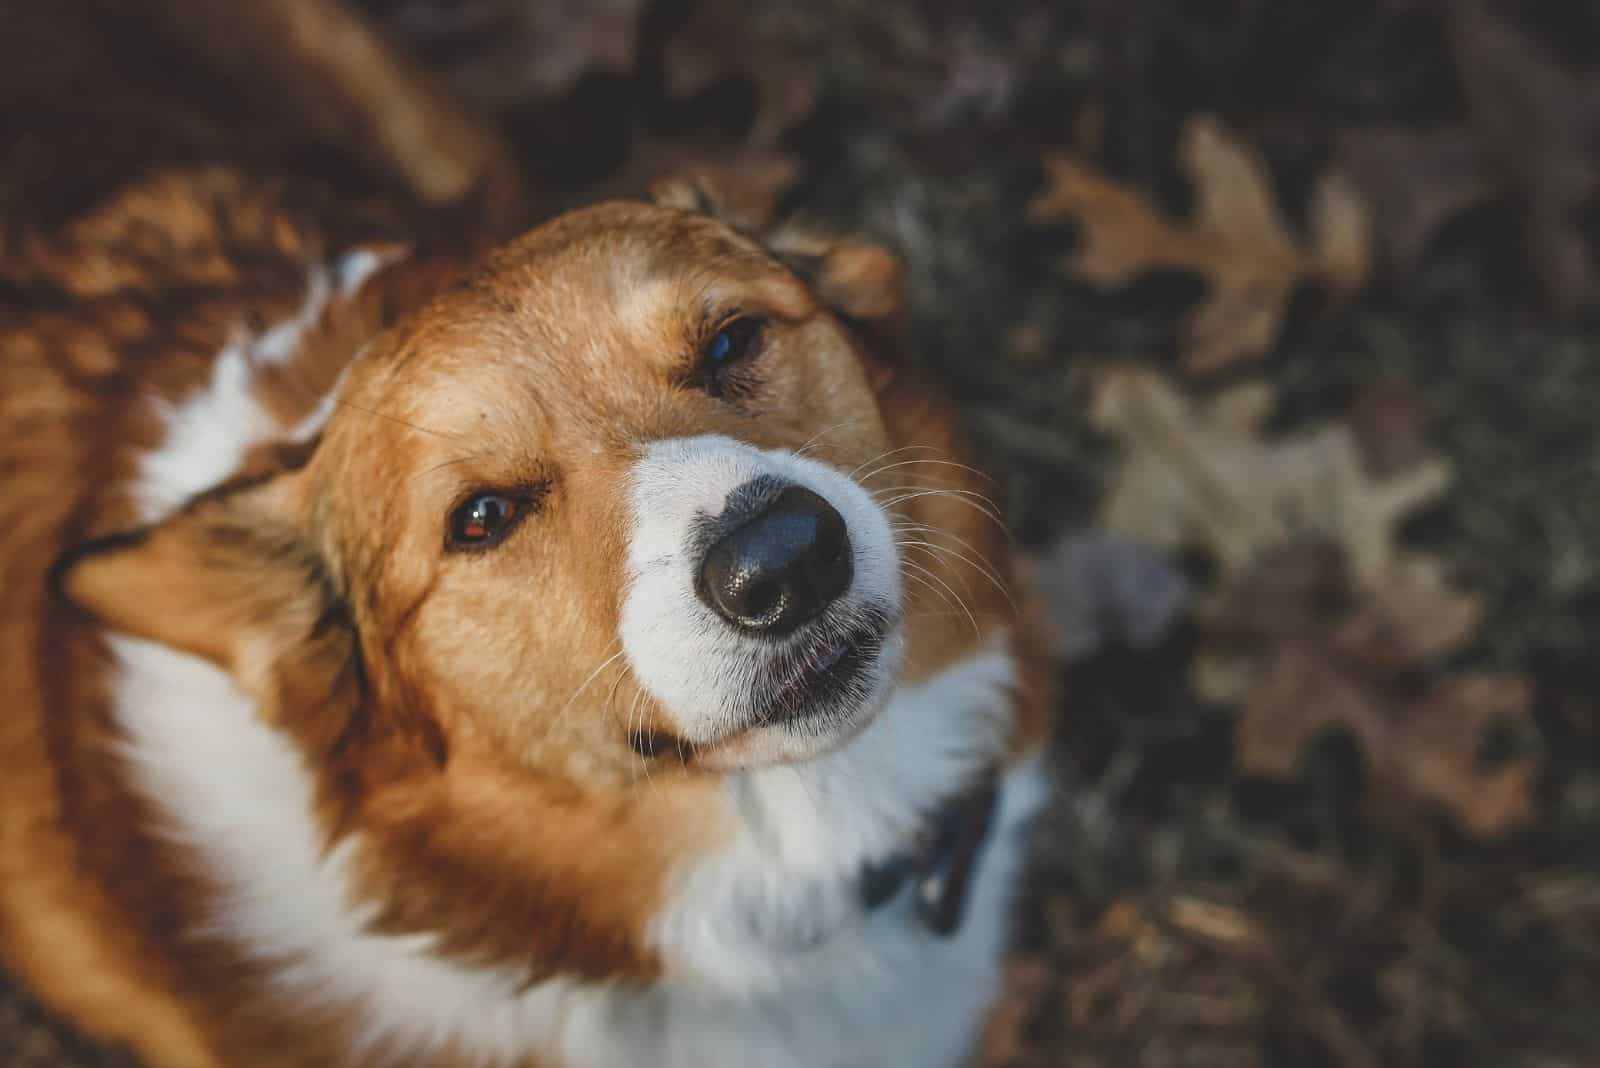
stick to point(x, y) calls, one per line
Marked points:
point(807, 727)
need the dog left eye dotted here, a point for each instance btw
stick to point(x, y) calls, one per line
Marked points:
point(483, 520)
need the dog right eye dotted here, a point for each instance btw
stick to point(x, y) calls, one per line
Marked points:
point(734, 342)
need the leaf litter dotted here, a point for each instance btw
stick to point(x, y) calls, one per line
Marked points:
point(1237, 240)
point(1315, 616)
point(1529, 139)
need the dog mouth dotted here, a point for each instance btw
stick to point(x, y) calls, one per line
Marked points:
point(827, 676)
point(814, 691)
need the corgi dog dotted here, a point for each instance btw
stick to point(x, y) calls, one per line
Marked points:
point(600, 653)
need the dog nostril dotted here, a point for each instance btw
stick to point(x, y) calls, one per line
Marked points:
point(831, 545)
point(781, 567)
point(761, 598)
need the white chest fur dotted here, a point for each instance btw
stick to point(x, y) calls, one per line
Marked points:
point(781, 967)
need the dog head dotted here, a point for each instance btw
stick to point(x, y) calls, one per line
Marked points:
point(602, 509)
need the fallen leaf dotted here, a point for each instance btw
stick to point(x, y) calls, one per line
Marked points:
point(1444, 746)
point(1408, 616)
point(1237, 240)
point(1314, 608)
point(1199, 473)
point(1430, 751)
point(1404, 616)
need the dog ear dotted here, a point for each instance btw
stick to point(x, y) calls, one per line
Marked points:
point(859, 280)
point(231, 578)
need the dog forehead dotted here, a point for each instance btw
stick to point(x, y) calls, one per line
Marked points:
point(635, 265)
point(586, 317)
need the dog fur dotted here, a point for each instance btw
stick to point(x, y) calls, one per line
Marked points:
point(285, 784)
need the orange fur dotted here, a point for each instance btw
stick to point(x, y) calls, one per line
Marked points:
point(316, 578)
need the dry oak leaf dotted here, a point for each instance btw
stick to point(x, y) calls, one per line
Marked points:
point(1238, 240)
point(1200, 473)
point(1424, 752)
point(1303, 592)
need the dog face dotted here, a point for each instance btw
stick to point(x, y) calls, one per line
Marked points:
point(599, 505)
point(581, 521)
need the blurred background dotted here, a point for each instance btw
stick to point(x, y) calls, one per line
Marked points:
point(1276, 322)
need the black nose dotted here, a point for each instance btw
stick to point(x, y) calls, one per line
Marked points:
point(781, 567)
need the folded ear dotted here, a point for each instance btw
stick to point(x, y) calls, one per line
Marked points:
point(231, 578)
point(858, 279)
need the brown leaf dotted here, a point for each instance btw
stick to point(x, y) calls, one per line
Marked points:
point(1301, 526)
point(1314, 607)
point(1237, 240)
point(1302, 694)
point(1408, 616)
point(1428, 752)
point(1441, 744)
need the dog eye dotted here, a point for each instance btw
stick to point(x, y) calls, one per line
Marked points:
point(733, 342)
point(484, 520)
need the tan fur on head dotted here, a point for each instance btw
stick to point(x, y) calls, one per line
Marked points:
point(465, 716)
point(542, 370)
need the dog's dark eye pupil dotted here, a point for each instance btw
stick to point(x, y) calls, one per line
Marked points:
point(732, 343)
point(481, 518)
